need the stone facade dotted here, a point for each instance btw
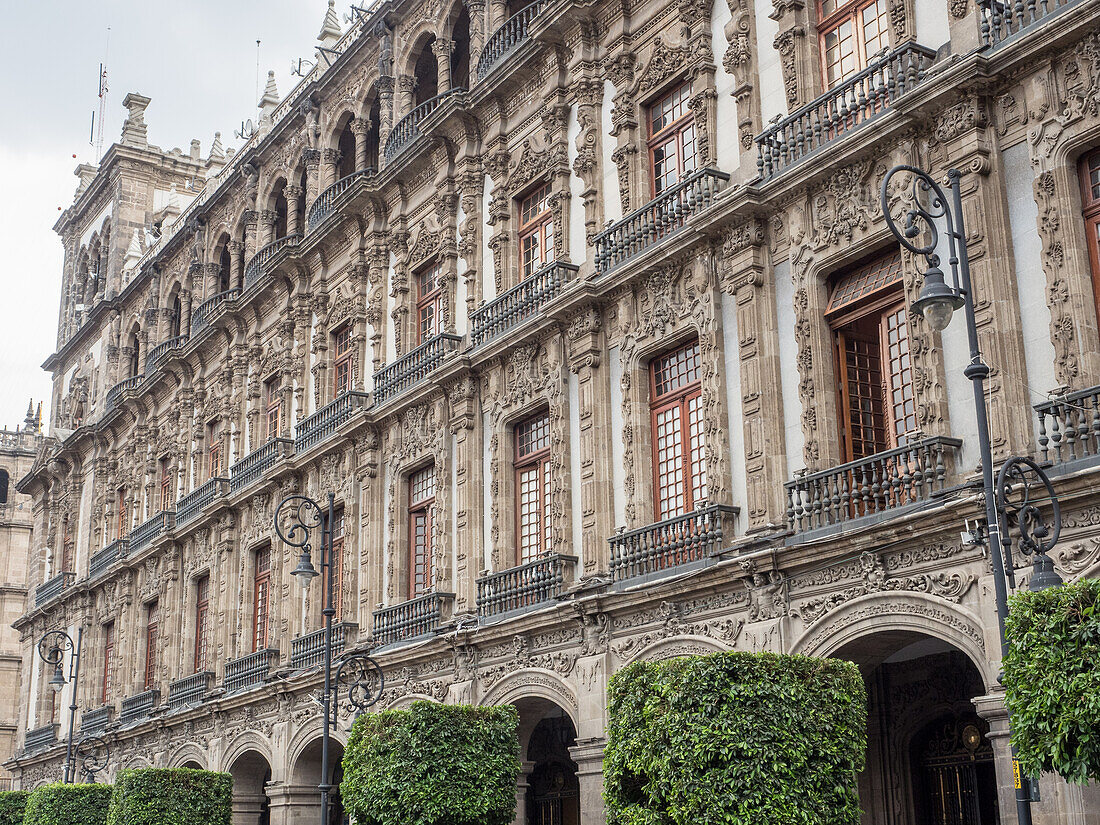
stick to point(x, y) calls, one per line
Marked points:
point(463, 229)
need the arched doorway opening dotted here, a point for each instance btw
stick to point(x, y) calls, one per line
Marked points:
point(191, 764)
point(549, 790)
point(929, 761)
point(251, 773)
point(304, 794)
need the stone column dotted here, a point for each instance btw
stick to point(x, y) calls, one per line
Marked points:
point(441, 48)
point(462, 397)
point(236, 252)
point(588, 754)
point(330, 161)
point(522, 784)
point(406, 85)
point(385, 113)
point(293, 804)
point(267, 227)
point(251, 218)
point(993, 710)
point(246, 808)
point(498, 13)
point(293, 201)
point(476, 10)
point(311, 158)
point(360, 128)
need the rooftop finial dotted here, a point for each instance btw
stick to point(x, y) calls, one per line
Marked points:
point(134, 130)
point(133, 251)
point(29, 420)
point(330, 29)
point(271, 94)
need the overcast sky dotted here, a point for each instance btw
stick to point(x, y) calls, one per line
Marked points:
point(196, 60)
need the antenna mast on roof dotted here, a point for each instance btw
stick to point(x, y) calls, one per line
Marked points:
point(102, 99)
point(257, 97)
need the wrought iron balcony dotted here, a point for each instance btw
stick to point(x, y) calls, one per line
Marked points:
point(38, 738)
point(102, 560)
point(851, 103)
point(1069, 426)
point(50, 590)
point(157, 353)
point(1003, 21)
point(261, 261)
point(96, 721)
point(525, 299)
point(314, 429)
point(249, 671)
point(210, 309)
point(192, 504)
point(115, 393)
point(139, 707)
point(413, 367)
point(657, 219)
point(326, 203)
point(190, 690)
point(142, 535)
point(408, 128)
point(876, 484)
point(671, 542)
point(421, 616)
point(507, 38)
point(309, 650)
point(526, 586)
point(252, 467)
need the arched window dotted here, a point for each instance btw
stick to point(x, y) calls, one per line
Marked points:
point(280, 211)
point(175, 317)
point(426, 73)
point(225, 268)
point(346, 145)
point(4, 478)
point(460, 51)
point(135, 354)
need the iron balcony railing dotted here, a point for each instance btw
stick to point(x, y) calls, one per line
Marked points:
point(258, 266)
point(138, 707)
point(408, 128)
point(50, 590)
point(1002, 21)
point(421, 616)
point(413, 367)
point(249, 671)
point(875, 484)
point(526, 586)
point(210, 309)
point(96, 721)
point(671, 542)
point(507, 38)
point(115, 393)
point(525, 299)
point(1069, 426)
point(325, 203)
point(157, 353)
point(142, 535)
point(657, 219)
point(102, 560)
point(192, 504)
point(38, 738)
point(852, 102)
point(252, 467)
point(190, 690)
point(309, 650)
point(314, 429)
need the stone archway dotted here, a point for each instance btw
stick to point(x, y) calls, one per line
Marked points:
point(298, 801)
point(251, 772)
point(548, 792)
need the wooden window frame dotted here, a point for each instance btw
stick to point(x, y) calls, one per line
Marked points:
point(1090, 211)
point(337, 560)
point(421, 508)
point(202, 616)
point(107, 683)
point(848, 12)
point(167, 484)
point(152, 632)
point(680, 398)
point(430, 300)
point(539, 461)
point(122, 527)
point(213, 450)
point(273, 407)
point(675, 133)
point(536, 220)
point(261, 598)
point(343, 353)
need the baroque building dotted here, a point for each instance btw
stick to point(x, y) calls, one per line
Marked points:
point(588, 316)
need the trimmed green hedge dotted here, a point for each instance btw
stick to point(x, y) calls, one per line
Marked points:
point(60, 804)
point(735, 739)
point(1052, 680)
point(12, 804)
point(432, 765)
point(172, 796)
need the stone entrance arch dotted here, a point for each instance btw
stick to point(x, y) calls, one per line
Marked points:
point(251, 772)
point(298, 800)
point(548, 790)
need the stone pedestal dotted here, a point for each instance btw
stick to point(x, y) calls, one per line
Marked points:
point(588, 754)
point(522, 784)
point(246, 808)
point(294, 804)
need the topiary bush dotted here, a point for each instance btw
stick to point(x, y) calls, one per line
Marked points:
point(432, 765)
point(12, 804)
point(172, 796)
point(737, 739)
point(60, 804)
point(1052, 680)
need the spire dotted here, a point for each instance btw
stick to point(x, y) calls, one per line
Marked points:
point(330, 29)
point(217, 152)
point(172, 208)
point(133, 251)
point(38, 418)
point(271, 94)
point(29, 420)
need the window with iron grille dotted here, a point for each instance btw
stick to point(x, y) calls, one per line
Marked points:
point(343, 353)
point(532, 479)
point(337, 566)
point(429, 302)
point(679, 465)
point(152, 626)
point(202, 614)
point(869, 320)
point(273, 407)
point(261, 598)
point(421, 501)
point(108, 662)
point(673, 149)
point(852, 34)
point(536, 231)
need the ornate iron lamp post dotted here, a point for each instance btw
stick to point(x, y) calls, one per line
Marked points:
point(1009, 502)
point(302, 516)
point(52, 647)
point(94, 754)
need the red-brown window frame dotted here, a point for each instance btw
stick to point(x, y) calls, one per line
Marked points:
point(421, 508)
point(1090, 208)
point(338, 527)
point(343, 352)
point(537, 224)
point(152, 628)
point(122, 527)
point(852, 11)
point(202, 615)
point(432, 299)
point(213, 450)
point(673, 131)
point(167, 485)
point(273, 406)
point(539, 460)
point(261, 598)
point(680, 397)
point(108, 669)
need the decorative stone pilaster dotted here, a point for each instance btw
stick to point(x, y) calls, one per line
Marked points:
point(441, 48)
point(311, 159)
point(330, 162)
point(293, 195)
point(360, 128)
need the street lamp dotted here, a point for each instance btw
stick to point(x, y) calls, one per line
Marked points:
point(52, 647)
point(302, 516)
point(1010, 501)
point(94, 754)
